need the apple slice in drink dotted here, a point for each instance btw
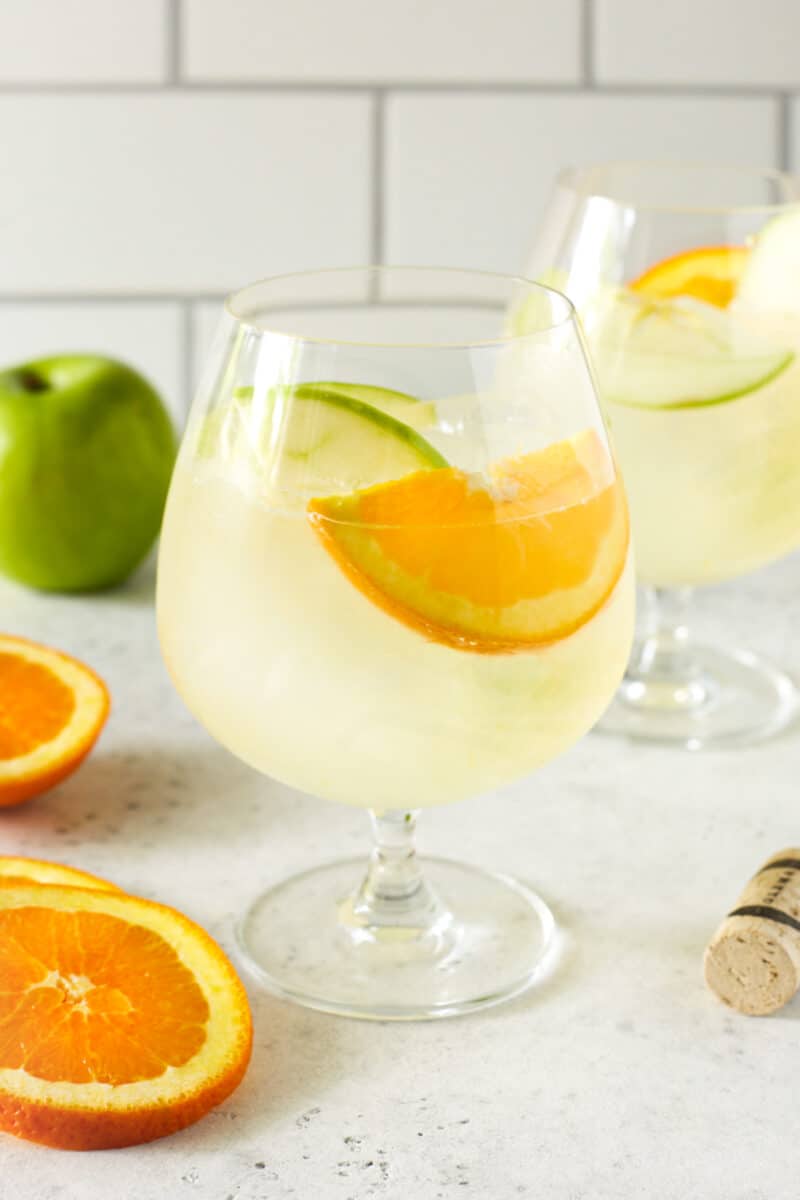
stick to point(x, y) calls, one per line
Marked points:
point(419, 414)
point(330, 436)
point(299, 440)
point(676, 353)
point(770, 281)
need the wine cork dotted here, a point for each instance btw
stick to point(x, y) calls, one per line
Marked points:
point(753, 960)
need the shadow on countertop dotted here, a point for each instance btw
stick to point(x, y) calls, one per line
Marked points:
point(189, 794)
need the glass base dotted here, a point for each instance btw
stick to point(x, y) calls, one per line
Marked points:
point(731, 698)
point(304, 940)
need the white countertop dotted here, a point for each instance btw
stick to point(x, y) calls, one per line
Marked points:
point(619, 1078)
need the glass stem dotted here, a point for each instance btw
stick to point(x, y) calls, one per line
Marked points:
point(663, 671)
point(394, 892)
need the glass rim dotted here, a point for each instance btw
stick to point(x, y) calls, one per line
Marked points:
point(569, 177)
point(533, 286)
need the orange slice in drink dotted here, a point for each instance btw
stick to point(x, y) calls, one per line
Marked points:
point(14, 870)
point(120, 1020)
point(711, 274)
point(493, 565)
point(52, 709)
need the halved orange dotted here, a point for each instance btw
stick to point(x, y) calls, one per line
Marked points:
point(710, 273)
point(493, 565)
point(52, 709)
point(14, 870)
point(120, 1020)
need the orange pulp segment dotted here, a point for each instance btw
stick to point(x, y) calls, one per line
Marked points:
point(52, 709)
point(493, 565)
point(120, 1020)
point(16, 870)
point(711, 274)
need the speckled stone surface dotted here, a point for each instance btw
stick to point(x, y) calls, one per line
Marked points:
point(619, 1078)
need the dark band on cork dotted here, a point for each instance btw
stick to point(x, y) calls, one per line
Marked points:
point(792, 863)
point(764, 910)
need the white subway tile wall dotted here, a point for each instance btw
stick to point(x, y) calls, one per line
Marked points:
point(377, 41)
point(158, 153)
point(179, 193)
point(206, 320)
point(502, 153)
point(83, 41)
point(739, 43)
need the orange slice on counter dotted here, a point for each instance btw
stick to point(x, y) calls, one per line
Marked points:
point(120, 1020)
point(14, 870)
point(493, 565)
point(711, 274)
point(52, 709)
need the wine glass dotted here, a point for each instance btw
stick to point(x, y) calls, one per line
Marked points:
point(687, 281)
point(394, 573)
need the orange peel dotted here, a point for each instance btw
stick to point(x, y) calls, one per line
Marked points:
point(515, 561)
point(121, 1020)
point(710, 273)
point(15, 870)
point(52, 709)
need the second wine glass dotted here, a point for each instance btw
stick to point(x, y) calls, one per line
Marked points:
point(687, 283)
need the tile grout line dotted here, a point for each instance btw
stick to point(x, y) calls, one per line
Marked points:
point(173, 17)
point(587, 36)
point(187, 355)
point(378, 157)
point(367, 88)
point(784, 131)
point(91, 297)
point(186, 300)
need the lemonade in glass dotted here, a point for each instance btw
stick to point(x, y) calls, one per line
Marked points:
point(394, 573)
point(687, 280)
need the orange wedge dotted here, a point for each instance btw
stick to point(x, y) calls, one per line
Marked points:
point(34, 870)
point(493, 565)
point(711, 274)
point(52, 709)
point(120, 1020)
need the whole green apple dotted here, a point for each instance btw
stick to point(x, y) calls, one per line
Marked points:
point(86, 453)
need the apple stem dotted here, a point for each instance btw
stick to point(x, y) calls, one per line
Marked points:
point(30, 381)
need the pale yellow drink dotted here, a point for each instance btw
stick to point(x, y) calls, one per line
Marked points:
point(715, 489)
point(394, 573)
point(298, 673)
point(704, 404)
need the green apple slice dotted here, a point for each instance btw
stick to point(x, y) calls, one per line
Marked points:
point(419, 414)
point(303, 440)
point(679, 353)
point(331, 438)
point(770, 281)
